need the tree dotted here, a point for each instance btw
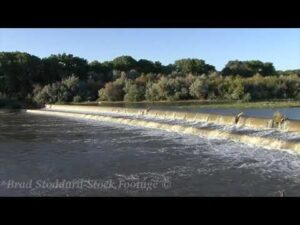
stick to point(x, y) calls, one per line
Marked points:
point(18, 72)
point(134, 92)
point(100, 71)
point(248, 68)
point(289, 72)
point(67, 78)
point(113, 91)
point(199, 89)
point(57, 67)
point(63, 91)
point(159, 68)
point(145, 66)
point(124, 63)
point(194, 66)
point(170, 89)
point(153, 92)
point(133, 74)
point(236, 90)
point(102, 96)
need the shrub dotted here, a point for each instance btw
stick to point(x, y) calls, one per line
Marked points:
point(134, 92)
point(77, 98)
point(63, 91)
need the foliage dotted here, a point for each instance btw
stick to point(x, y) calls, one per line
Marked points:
point(194, 66)
point(124, 63)
point(199, 89)
point(63, 91)
point(68, 78)
point(134, 92)
point(113, 91)
point(248, 68)
point(18, 72)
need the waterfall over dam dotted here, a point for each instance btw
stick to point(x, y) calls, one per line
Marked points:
point(241, 129)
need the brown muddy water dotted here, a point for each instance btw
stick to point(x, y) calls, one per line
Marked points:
point(44, 155)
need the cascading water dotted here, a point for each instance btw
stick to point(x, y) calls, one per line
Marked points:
point(38, 147)
point(258, 123)
point(225, 127)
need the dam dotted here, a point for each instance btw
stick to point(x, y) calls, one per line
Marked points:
point(145, 152)
point(247, 130)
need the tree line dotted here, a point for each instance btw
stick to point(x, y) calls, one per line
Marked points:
point(67, 78)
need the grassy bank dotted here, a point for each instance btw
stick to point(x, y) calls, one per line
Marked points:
point(264, 104)
point(201, 104)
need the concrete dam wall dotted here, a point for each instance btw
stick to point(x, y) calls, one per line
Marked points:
point(114, 115)
point(251, 122)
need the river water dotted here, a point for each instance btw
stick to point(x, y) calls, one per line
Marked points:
point(53, 156)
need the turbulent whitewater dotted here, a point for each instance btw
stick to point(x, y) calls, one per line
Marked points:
point(250, 131)
point(54, 145)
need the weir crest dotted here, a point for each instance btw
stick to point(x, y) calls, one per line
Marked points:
point(103, 114)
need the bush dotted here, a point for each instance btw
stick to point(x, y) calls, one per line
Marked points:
point(134, 92)
point(112, 92)
point(63, 91)
point(199, 89)
point(152, 92)
point(102, 95)
point(77, 98)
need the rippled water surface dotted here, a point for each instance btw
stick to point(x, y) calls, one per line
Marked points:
point(118, 160)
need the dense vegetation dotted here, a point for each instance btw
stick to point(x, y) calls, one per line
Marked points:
point(66, 78)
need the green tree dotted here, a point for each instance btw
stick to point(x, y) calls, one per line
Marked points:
point(57, 67)
point(199, 89)
point(153, 92)
point(248, 68)
point(113, 91)
point(100, 72)
point(194, 66)
point(18, 72)
point(124, 63)
point(63, 91)
point(145, 66)
point(134, 92)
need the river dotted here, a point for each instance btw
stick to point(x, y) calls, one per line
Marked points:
point(53, 156)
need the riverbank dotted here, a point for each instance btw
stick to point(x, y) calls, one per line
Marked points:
point(200, 104)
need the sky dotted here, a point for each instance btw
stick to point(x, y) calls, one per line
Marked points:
point(215, 46)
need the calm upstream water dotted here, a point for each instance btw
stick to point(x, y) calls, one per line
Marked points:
point(54, 156)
